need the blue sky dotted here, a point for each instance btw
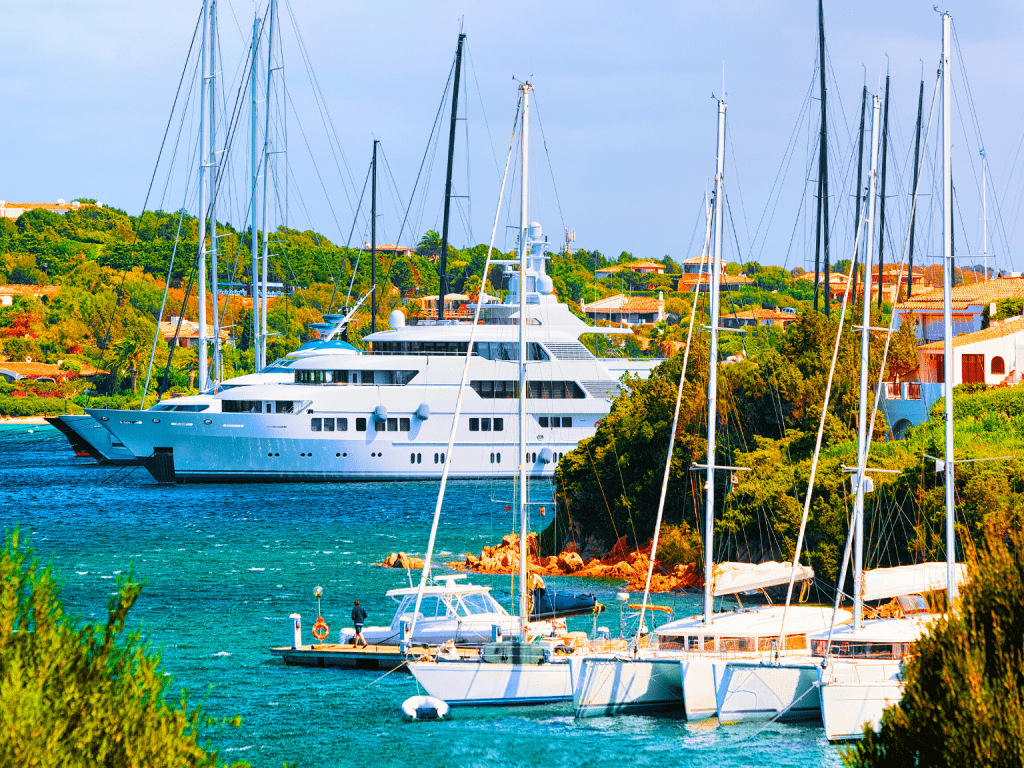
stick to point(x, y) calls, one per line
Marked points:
point(624, 91)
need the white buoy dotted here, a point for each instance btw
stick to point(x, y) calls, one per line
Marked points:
point(295, 624)
point(424, 708)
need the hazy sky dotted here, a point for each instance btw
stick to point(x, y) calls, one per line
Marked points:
point(624, 90)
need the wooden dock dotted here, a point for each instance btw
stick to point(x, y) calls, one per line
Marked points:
point(375, 657)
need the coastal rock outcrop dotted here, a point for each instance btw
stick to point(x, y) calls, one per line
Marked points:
point(620, 563)
point(402, 560)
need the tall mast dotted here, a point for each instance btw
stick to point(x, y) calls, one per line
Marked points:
point(443, 262)
point(373, 244)
point(266, 182)
point(881, 203)
point(204, 152)
point(716, 270)
point(859, 190)
point(524, 250)
point(913, 208)
point(253, 246)
point(214, 168)
point(862, 423)
point(821, 235)
point(947, 300)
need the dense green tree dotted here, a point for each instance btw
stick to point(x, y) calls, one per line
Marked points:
point(963, 702)
point(83, 694)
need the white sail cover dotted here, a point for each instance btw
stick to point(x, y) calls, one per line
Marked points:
point(883, 583)
point(730, 578)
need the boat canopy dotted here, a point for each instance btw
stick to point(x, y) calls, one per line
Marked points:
point(883, 583)
point(730, 578)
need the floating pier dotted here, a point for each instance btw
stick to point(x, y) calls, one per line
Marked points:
point(376, 657)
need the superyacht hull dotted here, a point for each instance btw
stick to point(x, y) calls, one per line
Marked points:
point(89, 438)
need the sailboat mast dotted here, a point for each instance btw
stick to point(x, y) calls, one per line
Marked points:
point(947, 299)
point(716, 276)
point(443, 261)
point(862, 423)
point(254, 160)
point(203, 199)
point(524, 250)
point(822, 224)
point(266, 182)
point(214, 168)
point(373, 243)
point(859, 191)
point(881, 202)
point(913, 208)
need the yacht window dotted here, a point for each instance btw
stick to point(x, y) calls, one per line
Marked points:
point(316, 425)
point(499, 458)
point(538, 390)
point(404, 425)
point(737, 644)
point(566, 422)
point(242, 406)
point(419, 458)
point(184, 408)
point(485, 425)
point(499, 425)
point(366, 377)
point(508, 350)
point(341, 377)
point(435, 458)
point(476, 604)
point(328, 425)
point(162, 408)
point(284, 406)
point(342, 425)
point(474, 425)
point(360, 424)
point(392, 424)
point(429, 606)
point(543, 420)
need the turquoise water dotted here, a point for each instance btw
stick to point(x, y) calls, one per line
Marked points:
point(225, 565)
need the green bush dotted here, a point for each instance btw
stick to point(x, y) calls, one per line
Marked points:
point(83, 695)
point(963, 704)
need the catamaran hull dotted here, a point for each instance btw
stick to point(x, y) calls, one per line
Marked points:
point(636, 686)
point(855, 694)
point(472, 683)
point(752, 690)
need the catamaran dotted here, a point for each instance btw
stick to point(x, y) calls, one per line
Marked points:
point(680, 670)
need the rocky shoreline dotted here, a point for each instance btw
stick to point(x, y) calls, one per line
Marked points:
point(621, 563)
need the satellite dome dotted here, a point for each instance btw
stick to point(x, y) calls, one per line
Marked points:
point(396, 319)
point(545, 285)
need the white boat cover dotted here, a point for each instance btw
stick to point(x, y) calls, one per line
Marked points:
point(883, 583)
point(730, 578)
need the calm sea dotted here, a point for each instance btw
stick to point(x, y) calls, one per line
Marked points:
point(225, 565)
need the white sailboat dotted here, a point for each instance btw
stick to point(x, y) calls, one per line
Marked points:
point(681, 672)
point(854, 672)
point(514, 671)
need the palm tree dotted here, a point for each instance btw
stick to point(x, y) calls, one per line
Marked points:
point(430, 244)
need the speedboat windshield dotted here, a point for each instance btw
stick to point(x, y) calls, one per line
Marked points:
point(480, 602)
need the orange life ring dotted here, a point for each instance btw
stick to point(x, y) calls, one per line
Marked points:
point(320, 630)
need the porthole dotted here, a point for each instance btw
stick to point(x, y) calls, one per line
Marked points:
point(499, 458)
point(435, 458)
point(270, 454)
point(442, 458)
point(419, 458)
point(277, 454)
point(156, 421)
point(492, 458)
point(412, 458)
point(207, 421)
point(337, 454)
point(344, 455)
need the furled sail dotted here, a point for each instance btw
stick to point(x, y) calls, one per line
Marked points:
point(730, 578)
point(883, 583)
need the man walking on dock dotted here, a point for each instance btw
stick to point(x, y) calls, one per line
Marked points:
point(358, 617)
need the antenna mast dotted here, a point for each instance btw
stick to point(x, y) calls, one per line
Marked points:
point(442, 288)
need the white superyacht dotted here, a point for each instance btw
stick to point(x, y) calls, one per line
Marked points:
point(386, 414)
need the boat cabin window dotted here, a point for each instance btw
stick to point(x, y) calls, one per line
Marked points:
point(419, 347)
point(486, 425)
point(184, 408)
point(912, 604)
point(479, 603)
point(242, 406)
point(555, 422)
point(862, 650)
point(368, 378)
point(360, 424)
point(792, 643)
point(328, 424)
point(538, 390)
point(508, 350)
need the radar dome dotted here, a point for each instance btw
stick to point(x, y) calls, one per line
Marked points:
point(545, 284)
point(396, 319)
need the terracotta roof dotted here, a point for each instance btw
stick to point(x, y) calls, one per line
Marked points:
point(35, 370)
point(760, 313)
point(189, 330)
point(622, 303)
point(48, 206)
point(27, 290)
point(692, 278)
point(964, 296)
point(996, 331)
point(705, 259)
